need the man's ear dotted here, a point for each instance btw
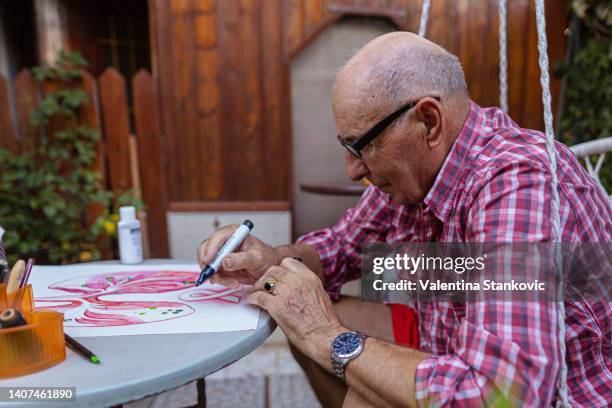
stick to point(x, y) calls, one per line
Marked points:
point(431, 113)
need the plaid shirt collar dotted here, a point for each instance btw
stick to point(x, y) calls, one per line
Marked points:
point(441, 196)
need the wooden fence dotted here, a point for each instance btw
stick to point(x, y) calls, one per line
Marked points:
point(125, 161)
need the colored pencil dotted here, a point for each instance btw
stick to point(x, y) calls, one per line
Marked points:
point(4, 271)
point(81, 349)
point(28, 270)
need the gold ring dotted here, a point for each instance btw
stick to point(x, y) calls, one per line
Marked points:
point(269, 285)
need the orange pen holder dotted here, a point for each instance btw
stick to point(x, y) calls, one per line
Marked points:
point(32, 347)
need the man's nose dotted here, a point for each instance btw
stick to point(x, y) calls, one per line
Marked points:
point(355, 168)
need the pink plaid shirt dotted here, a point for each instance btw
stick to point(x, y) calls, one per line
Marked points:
point(494, 186)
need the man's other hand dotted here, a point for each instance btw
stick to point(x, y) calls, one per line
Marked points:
point(301, 307)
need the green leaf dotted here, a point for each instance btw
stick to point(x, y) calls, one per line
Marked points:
point(46, 191)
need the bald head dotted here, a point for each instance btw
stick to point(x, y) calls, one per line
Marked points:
point(383, 76)
point(397, 67)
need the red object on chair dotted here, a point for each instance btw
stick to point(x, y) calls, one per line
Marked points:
point(405, 325)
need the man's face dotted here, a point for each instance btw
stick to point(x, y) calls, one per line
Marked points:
point(399, 161)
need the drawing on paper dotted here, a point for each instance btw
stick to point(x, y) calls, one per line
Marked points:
point(131, 297)
point(124, 300)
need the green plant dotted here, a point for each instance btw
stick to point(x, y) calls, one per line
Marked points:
point(48, 190)
point(587, 99)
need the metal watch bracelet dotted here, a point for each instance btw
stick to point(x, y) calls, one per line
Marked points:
point(339, 366)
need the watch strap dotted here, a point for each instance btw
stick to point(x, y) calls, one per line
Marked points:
point(339, 364)
point(337, 367)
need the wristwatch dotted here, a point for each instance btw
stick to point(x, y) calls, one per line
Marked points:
point(345, 348)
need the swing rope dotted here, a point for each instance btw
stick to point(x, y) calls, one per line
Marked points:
point(503, 58)
point(424, 16)
point(562, 399)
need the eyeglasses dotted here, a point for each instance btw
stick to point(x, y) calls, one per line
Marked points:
point(357, 146)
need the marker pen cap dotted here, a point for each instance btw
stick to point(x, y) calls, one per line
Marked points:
point(248, 224)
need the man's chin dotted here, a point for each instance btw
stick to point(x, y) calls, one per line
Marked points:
point(400, 198)
point(396, 196)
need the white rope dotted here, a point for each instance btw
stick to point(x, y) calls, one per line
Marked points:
point(562, 399)
point(503, 58)
point(424, 16)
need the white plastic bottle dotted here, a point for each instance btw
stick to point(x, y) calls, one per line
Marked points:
point(130, 239)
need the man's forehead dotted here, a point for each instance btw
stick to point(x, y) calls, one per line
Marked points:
point(350, 121)
point(356, 110)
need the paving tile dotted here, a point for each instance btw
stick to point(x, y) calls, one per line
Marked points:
point(184, 396)
point(246, 392)
point(293, 391)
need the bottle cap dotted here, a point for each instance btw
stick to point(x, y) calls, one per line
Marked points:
point(127, 213)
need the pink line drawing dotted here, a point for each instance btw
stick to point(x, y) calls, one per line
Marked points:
point(95, 301)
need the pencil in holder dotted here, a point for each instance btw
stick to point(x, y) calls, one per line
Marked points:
point(32, 347)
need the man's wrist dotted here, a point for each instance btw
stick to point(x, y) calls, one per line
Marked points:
point(320, 342)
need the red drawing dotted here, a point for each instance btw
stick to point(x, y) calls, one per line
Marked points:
point(128, 298)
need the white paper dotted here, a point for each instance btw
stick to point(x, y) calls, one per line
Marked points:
point(119, 300)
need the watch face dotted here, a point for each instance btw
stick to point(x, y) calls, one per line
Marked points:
point(346, 344)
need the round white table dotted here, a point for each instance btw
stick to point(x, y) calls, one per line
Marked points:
point(134, 367)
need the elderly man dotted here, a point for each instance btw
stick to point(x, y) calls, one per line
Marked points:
point(442, 169)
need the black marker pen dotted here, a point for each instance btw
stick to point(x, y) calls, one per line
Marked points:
point(230, 245)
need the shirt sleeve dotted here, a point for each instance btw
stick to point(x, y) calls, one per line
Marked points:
point(504, 353)
point(339, 247)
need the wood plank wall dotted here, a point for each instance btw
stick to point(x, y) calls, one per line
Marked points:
point(223, 69)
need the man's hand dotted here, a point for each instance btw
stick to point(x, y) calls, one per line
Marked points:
point(301, 307)
point(245, 265)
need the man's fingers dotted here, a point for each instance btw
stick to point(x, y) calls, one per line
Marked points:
point(294, 265)
point(200, 253)
point(210, 247)
point(241, 276)
point(290, 262)
point(227, 281)
point(243, 260)
point(274, 272)
point(263, 300)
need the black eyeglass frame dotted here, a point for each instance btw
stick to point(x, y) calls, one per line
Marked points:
point(358, 145)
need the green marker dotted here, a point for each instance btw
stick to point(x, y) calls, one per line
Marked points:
point(81, 349)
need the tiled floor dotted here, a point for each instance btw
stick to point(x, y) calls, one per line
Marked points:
point(269, 377)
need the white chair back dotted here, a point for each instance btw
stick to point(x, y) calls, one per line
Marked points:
point(598, 148)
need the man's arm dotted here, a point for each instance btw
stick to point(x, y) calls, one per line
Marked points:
point(383, 374)
point(338, 248)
